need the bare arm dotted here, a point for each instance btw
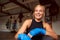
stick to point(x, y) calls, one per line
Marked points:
point(22, 29)
point(50, 32)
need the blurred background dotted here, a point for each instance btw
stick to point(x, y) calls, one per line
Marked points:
point(14, 12)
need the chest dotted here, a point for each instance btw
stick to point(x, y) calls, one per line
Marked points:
point(36, 25)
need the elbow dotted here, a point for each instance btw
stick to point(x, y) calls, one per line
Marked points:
point(56, 37)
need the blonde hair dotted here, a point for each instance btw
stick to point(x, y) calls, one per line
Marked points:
point(38, 5)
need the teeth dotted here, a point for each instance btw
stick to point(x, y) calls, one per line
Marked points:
point(38, 15)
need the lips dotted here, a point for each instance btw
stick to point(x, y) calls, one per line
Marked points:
point(38, 15)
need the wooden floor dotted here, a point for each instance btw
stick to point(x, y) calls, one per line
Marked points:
point(7, 36)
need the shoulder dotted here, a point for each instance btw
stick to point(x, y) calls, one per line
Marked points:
point(28, 20)
point(46, 24)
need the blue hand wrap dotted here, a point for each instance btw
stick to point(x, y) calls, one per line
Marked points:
point(37, 31)
point(23, 37)
point(43, 31)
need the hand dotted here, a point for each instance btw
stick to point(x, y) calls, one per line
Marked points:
point(36, 31)
point(23, 37)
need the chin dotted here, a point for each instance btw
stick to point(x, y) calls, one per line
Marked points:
point(38, 17)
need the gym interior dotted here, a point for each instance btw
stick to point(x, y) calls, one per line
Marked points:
point(14, 12)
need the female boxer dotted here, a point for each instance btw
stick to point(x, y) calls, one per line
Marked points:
point(36, 26)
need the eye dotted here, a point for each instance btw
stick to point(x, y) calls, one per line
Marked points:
point(41, 11)
point(36, 10)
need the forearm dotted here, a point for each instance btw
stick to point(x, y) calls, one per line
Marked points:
point(21, 31)
point(52, 34)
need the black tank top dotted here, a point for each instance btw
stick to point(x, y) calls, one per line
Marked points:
point(35, 24)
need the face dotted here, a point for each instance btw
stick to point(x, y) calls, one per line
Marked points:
point(39, 12)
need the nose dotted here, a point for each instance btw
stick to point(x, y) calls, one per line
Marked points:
point(38, 12)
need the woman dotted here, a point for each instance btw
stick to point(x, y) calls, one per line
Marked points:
point(37, 22)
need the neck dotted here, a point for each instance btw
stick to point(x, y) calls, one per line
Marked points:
point(37, 20)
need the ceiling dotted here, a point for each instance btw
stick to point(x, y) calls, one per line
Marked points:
point(13, 7)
